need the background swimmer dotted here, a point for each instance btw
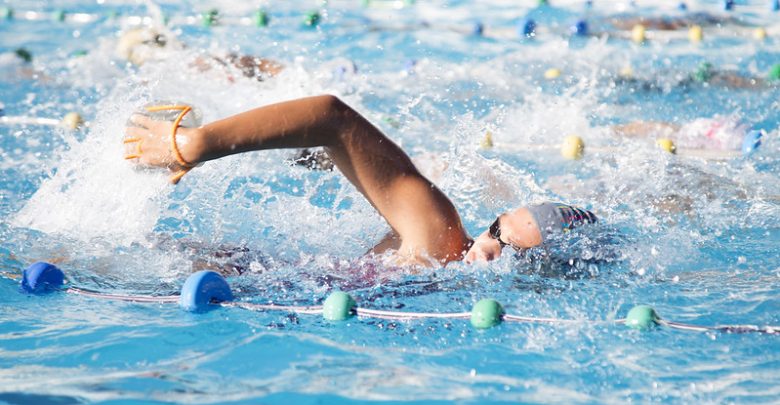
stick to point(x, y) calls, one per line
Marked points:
point(426, 227)
point(18, 64)
point(669, 23)
point(142, 45)
point(705, 75)
point(718, 132)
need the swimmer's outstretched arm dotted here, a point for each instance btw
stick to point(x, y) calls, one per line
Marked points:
point(420, 214)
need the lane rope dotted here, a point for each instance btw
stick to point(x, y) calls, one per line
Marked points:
point(524, 28)
point(207, 290)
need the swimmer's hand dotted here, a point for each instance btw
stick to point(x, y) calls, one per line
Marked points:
point(149, 143)
point(484, 249)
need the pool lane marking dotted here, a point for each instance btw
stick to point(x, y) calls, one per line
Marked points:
point(123, 297)
point(394, 315)
point(312, 309)
point(708, 154)
point(405, 316)
point(504, 32)
point(401, 316)
point(30, 121)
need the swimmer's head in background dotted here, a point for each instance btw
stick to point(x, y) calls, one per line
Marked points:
point(23, 54)
point(557, 218)
point(140, 45)
point(157, 111)
point(18, 58)
point(718, 132)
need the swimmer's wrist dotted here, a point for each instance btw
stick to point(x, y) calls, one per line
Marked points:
point(191, 142)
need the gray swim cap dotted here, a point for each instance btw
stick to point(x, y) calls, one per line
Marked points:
point(554, 218)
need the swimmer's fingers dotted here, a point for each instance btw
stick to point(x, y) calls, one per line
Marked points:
point(141, 126)
point(132, 133)
point(484, 249)
point(133, 141)
point(149, 148)
point(475, 257)
point(156, 128)
point(471, 257)
point(145, 121)
point(138, 120)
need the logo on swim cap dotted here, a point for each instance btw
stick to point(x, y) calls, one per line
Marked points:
point(574, 217)
point(552, 218)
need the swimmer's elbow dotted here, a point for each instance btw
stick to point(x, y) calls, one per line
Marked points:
point(338, 115)
point(333, 104)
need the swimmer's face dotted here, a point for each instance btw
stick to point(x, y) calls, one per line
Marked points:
point(515, 228)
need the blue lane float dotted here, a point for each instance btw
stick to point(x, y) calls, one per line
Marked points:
point(580, 28)
point(477, 29)
point(41, 277)
point(207, 290)
point(526, 28)
point(751, 142)
point(202, 289)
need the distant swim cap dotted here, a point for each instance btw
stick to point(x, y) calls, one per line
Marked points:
point(552, 218)
point(192, 119)
point(23, 54)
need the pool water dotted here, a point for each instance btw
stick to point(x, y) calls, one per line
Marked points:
point(694, 238)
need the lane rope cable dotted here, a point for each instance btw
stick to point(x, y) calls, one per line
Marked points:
point(207, 290)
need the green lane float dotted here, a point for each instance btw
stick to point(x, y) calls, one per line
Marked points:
point(339, 306)
point(486, 313)
point(58, 15)
point(6, 13)
point(311, 19)
point(210, 18)
point(261, 18)
point(642, 317)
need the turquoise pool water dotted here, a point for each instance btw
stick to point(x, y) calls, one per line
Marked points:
point(694, 238)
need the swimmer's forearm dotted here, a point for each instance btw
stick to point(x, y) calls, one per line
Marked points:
point(303, 123)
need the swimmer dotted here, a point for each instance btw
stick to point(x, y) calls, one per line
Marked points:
point(141, 45)
point(705, 75)
point(718, 132)
point(18, 64)
point(670, 23)
point(426, 229)
point(689, 188)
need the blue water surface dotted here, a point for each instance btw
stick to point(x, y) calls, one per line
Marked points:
point(694, 238)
